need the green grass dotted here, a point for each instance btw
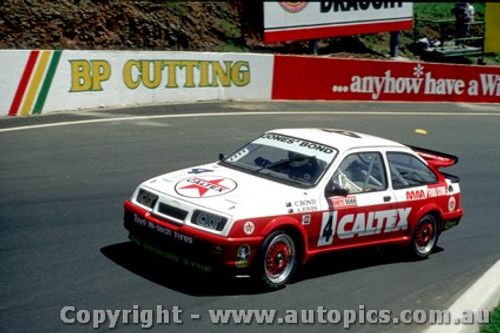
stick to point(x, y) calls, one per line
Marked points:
point(494, 325)
point(229, 46)
point(441, 10)
point(432, 11)
point(493, 57)
point(178, 8)
point(231, 29)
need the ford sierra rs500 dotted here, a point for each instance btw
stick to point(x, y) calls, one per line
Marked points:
point(292, 194)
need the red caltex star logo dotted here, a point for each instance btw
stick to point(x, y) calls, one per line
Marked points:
point(207, 186)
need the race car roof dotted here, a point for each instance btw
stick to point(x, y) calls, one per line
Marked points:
point(338, 138)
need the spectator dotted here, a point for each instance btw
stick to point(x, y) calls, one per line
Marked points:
point(464, 15)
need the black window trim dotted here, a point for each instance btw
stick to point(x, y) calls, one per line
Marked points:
point(412, 155)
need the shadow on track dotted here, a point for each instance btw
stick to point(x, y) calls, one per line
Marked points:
point(176, 276)
point(195, 283)
point(354, 259)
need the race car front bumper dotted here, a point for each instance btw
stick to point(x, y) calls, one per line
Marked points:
point(188, 246)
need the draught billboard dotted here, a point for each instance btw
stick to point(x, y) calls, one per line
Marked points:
point(294, 20)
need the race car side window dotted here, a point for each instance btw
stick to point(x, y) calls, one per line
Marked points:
point(408, 171)
point(361, 172)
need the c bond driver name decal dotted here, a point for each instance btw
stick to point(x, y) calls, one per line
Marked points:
point(204, 187)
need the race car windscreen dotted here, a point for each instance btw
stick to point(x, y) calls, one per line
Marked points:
point(284, 158)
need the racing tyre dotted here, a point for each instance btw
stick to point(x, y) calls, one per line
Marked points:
point(425, 237)
point(277, 260)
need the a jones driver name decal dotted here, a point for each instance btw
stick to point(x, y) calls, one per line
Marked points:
point(362, 224)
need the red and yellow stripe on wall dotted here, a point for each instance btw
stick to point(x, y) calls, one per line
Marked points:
point(35, 83)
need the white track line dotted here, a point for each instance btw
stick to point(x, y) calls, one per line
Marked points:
point(256, 113)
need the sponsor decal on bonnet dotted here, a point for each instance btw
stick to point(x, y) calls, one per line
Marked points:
point(206, 186)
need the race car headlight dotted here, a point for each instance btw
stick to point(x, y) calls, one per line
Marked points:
point(146, 198)
point(208, 220)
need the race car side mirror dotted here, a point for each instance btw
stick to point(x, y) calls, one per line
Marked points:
point(221, 156)
point(334, 189)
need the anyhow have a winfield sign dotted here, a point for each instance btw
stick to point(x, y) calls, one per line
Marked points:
point(374, 80)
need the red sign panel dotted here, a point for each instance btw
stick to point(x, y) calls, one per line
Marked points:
point(306, 78)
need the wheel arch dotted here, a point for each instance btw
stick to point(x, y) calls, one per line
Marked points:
point(424, 238)
point(437, 215)
point(295, 229)
point(432, 209)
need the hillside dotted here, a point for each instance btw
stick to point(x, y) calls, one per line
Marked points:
point(126, 25)
point(163, 25)
point(147, 25)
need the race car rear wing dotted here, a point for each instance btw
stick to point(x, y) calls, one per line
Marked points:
point(435, 158)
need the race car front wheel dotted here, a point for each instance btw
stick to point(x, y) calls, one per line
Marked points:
point(277, 259)
point(425, 236)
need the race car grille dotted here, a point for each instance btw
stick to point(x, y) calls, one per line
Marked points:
point(172, 211)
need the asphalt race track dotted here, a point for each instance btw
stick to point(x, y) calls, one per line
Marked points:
point(62, 242)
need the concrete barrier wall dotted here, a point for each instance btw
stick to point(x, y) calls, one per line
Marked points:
point(36, 81)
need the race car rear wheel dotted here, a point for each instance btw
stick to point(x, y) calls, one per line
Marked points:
point(425, 236)
point(277, 259)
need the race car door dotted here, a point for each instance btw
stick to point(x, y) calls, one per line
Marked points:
point(366, 210)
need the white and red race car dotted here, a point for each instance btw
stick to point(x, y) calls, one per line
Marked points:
point(292, 194)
